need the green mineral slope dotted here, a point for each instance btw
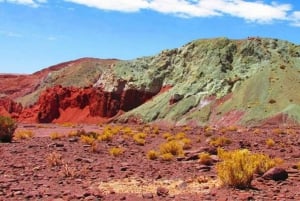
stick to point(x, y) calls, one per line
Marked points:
point(260, 77)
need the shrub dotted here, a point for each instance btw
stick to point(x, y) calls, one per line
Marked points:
point(239, 166)
point(23, 134)
point(68, 171)
point(167, 135)
point(187, 143)
point(204, 158)
point(7, 129)
point(56, 136)
point(152, 155)
point(180, 136)
point(54, 159)
point(220, 141)
point(139, 138)
point(87, 139)
point(270, 142)
point(167, 156)
point(173, 147)
point(116, 151)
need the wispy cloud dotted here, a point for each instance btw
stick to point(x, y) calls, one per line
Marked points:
point(33, 3)
point(251, 11)
point(10, 34)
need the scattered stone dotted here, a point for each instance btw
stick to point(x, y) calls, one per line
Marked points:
point(161, 191)
point(73, 139)
point(147, 196)
point(276, 174)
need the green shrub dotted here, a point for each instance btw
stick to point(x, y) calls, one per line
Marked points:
point(7, 129)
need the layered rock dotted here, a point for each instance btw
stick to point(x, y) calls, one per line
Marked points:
point(56, 100)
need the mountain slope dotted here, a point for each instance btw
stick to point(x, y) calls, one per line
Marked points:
point(210, 81)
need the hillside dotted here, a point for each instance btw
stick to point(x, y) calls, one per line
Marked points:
point(211, 81)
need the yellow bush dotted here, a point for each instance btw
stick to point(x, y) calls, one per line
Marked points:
point(23, 134)
point(270, 142)
point(139, 138)
point(116, 151)
point(56, 136)
point(173, 147)
point(204, 158)
point(180, 136)
point(87, 139)
point(72, 134)
point(220, 141)
point(127, 131)
point(238, 167)
point(187, 143)
point(152, 155)
point(107, 135)
point(167, 157)
point(167, 135)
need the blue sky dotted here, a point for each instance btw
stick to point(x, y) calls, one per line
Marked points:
point(35, 34)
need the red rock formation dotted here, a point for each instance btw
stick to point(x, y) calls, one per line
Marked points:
point(9, 108)
point(58, 99)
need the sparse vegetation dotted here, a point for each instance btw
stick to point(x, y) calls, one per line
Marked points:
point(167, 157)
point(270, 142)
point(87, 139)
point(7, 129)
point(23, 134)
point(139, 138)
point(152, 155)
point(116, 151)
point(54, 159)
point(56, 136)
point(239, 166)
point(204, 158)
point(173, 147)
point(220, 141)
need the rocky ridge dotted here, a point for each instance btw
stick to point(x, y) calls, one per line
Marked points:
point(211, 81)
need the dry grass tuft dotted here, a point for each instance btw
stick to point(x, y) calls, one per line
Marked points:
point(239, 166)
point(23, 134)
point(54, 159)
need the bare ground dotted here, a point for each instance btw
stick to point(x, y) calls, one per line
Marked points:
point(84, 172)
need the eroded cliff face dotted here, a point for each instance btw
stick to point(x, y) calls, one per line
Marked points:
point(9, 108)
point(57, 100)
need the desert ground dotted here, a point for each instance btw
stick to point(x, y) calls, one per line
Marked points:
point(112, 162)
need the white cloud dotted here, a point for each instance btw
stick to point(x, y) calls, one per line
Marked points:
point(295, 18)
point(32, 3)
point(116, 5)
point(252, 11)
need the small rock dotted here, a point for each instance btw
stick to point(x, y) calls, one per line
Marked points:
point(204, 168)
point(73, 139)
point(123, 169)
point(161, 191)
point(147, 195)
point(276, 174)
point(123, 198)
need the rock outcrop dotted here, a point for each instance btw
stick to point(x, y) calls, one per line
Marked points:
point(99, 103)
point(9, 108)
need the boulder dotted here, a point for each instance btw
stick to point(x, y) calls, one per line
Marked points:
point(276, 174)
